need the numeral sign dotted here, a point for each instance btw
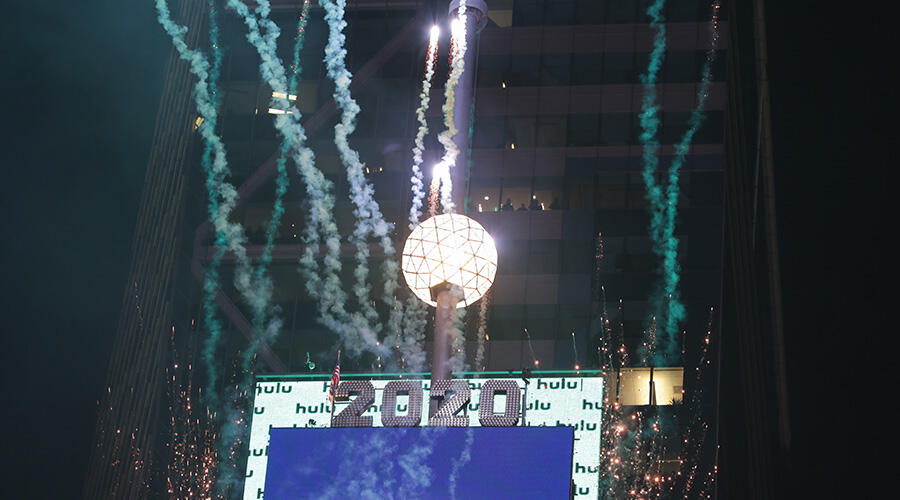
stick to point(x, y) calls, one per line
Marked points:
point(450, 396)
point(446, 414)
point(486, 405)
point(351, 416)
point(389, 418)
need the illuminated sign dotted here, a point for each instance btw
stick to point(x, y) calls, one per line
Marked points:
point(574, 400)
point(419, 462)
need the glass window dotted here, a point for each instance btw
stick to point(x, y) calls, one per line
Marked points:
point(559, 12)
point(396, 94)
point(542, 322)
point(583, 130)
point(685, 11)
point(615, 129)
point(611, 190)
point(528, 13)
point(543, 257)
point(488, 133)
point(555, 69)
point(635, 192)
point(524, 70)
point(516, 193)
point(547, 192)
point(400, 65)
point(577, 257)
point(706, 189)
point(365, 123)
point(681, 66)
point(579, 193)
point(642, 6)
point(668, 385)
point(520, 131)
point(492, 69)
point(243, 63)
point(586, 69)
point(237, 127)
point(618, 68)
point(551, 131)
point(718, 66)
point(392, 124)
point(621, 12)
point(635, 386)
point(674, 124)
point(588, 12)
point(485, 194)
point(713, 129)
point(514, 257)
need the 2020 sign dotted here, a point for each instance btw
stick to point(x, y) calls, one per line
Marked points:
point(446, 413)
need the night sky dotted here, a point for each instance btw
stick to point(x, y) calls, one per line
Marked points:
point(81, 87)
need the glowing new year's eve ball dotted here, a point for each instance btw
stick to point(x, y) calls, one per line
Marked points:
point(450, 248)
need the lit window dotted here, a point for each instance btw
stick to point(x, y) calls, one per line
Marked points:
point(282, 95)
point(635, 387)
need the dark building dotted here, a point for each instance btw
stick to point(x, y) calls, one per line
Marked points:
point(555, 138)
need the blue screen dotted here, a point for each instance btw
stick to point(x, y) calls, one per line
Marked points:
point(420, 462)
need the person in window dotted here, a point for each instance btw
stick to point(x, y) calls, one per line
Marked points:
point(535, 204)
point(508, 207)
point(554, 205)
point(522, 208)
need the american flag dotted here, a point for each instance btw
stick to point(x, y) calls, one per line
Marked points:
point(335, 379)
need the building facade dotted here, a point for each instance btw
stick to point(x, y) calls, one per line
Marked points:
point(554, 174)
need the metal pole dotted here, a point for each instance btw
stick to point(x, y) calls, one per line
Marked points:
point(476, 19)
point(446, 296)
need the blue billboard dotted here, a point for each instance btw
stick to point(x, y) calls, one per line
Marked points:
point(420, 462)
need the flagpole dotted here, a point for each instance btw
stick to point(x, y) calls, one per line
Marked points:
point(333, 389)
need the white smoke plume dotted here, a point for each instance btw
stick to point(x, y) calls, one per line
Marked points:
point(356, 334)
point(451, 152)
point(415, 211)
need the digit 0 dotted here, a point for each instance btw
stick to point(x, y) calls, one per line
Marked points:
point(389, 404)
point(510, 416)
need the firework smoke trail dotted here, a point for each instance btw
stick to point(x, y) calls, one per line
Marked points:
point(369, 220)
point(415, 211)
point(451, 152)
point(650, 122)
point(211, 283)
point(234, 425)
point(461, 461)
point(281, 186)
point(353, 330)
point(222, 195)
point(669, 250)
point(417, 475)
point(531, 349)
point(575, 350)
point(408, 338)
point(664, 202)
point(281, 179)
point(482, 330)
